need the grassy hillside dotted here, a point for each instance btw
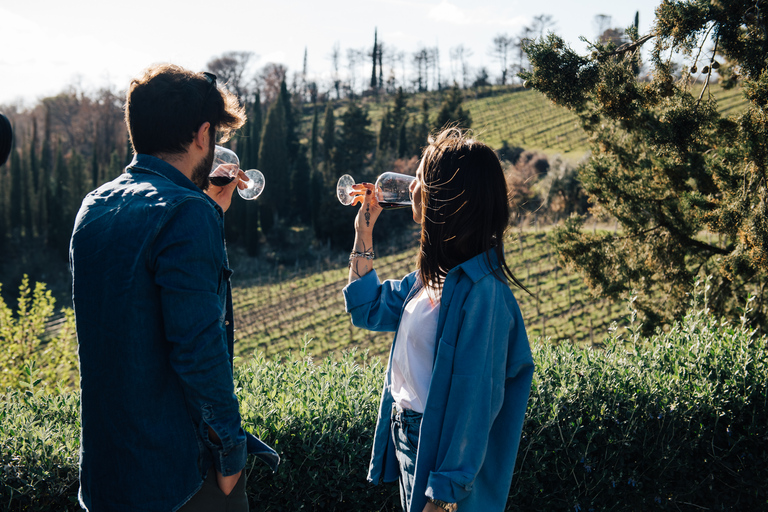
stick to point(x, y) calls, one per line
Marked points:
point(525, 118)
point(277, 316)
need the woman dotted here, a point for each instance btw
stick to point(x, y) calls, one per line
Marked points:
point(460, 368)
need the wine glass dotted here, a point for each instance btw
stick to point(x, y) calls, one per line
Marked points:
point(393, 190)
point(224, 171)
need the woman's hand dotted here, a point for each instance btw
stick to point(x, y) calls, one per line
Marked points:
point(431, 507)
point(369, 207)
point(369, 211)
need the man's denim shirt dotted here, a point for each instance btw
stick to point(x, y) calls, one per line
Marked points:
point(154, 323)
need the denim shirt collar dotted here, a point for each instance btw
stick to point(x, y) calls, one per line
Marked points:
point(154, 165)
point(479, 266)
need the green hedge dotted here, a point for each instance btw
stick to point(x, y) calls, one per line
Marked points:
point(675, 422)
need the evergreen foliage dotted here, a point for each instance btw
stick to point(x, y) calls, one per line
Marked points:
point(329, 135)
point(393, 123)
point(451, 111)
point(273, 160)
point(418, 131)
point(673, 422)
point(314, 136)
point(688, 185)
point(355, 142)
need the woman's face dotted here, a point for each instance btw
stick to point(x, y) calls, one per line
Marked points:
point(415, 189)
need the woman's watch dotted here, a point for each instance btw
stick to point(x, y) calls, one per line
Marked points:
point(448, 507)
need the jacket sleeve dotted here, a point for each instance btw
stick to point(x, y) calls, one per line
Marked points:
point(188, 261)
point(374, 305)
point(490, 347)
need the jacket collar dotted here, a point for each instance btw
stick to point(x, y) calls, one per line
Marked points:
point(142, 163)
point(151, 164)
point(479, 266)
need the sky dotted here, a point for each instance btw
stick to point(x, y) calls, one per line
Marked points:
point(48, 45)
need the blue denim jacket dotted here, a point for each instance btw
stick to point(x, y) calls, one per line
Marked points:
point(478, 393)
point(153, 309)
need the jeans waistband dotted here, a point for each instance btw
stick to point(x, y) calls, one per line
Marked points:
point(405, 415)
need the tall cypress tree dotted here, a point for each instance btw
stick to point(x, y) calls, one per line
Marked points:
point(355, 141)
point(58, 235)
point(273, 161)
point(5, 207)
point(452, 112)
point(403, 147)
point(300, 183)
point(28, 190)
point(329, 139)
point(254, 132)
point(313, 156)
point(115, 166)
point(385, 130)
point(46, 171)
point(17, 203)
point(252, 210)
point(419, 131)
point(374, 54)
point(291, 132)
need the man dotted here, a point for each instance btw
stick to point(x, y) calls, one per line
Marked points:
point(6, 138)
point(160, 420)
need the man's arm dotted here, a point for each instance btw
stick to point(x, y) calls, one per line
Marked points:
point(188, 261)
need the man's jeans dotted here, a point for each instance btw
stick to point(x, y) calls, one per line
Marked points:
point(405, 433)
point(211, 499)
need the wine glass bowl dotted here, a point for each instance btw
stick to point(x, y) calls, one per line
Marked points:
point(393, 190)
point(225, 168)
point(222, 155)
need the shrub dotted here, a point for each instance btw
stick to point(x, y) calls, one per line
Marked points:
point(23, 339)
point(673, 422)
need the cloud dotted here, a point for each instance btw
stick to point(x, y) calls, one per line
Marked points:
point(447, 12)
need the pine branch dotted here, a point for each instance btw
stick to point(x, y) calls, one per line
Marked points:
point(627, 47)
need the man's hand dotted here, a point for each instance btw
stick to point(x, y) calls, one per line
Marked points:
point(227, 483)
point(223, 195)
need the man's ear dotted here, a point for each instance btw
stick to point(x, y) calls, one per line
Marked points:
point(201, 138)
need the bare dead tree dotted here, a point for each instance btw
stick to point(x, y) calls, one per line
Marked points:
point(231, 69)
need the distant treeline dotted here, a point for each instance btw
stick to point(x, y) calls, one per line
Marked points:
point(71, 143)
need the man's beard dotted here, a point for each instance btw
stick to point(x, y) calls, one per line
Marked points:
point(203, 168)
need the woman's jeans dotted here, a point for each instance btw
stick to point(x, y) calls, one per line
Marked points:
point(405, 433)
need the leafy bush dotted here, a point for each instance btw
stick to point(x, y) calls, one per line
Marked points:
point(673, 422)
point(23, 340)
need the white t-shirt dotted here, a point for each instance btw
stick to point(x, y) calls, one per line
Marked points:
point(414, 352)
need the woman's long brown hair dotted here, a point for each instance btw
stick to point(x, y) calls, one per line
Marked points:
point(465, 207)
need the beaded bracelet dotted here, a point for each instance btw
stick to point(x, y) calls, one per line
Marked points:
point(357, 254)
